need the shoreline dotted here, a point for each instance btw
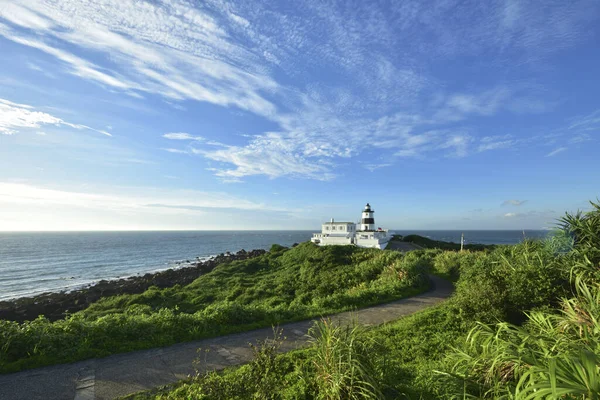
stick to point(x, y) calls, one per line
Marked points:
point(56, 305)
point(177, 265)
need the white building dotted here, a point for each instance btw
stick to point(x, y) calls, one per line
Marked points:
point(363, 234)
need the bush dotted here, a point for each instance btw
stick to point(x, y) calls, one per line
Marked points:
point(507, 282)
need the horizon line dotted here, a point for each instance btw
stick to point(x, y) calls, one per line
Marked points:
point(257, 230)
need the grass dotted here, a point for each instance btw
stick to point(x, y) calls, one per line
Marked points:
point(392, 361)
point(523, 324)
point(282, 285)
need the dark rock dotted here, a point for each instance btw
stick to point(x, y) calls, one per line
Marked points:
point(55, 306)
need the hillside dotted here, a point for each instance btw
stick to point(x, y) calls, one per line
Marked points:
point(522, 324)
point(281, 285)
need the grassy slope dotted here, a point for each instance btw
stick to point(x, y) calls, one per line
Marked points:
point(427, 243)
point(493, 285)
point(283, 285)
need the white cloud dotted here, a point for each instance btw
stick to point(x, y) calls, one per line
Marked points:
point(176, 151)
point(25, 206)
point(19, 193)
point(182, 136)
point(556, 151)
point(514, 202)
point(374, 167)
point(459, 145)
point(590, 122)
point(458, 106)
point(272, 155)
point(171, 49)
point(16, 105)
point(230, 54)
point(546, 216)
point(14, 116)
point(580, 138)
point(488, 143)
point(512, 215)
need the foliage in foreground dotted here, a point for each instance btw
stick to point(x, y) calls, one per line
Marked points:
point(552, 356)
point(556, 353)
point(343, 368)
point(282, 285)
point(337, 366)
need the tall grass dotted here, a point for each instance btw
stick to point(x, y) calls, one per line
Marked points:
point(556, 353)
point(342, 362)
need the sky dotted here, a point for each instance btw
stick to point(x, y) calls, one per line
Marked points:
point(173, 114)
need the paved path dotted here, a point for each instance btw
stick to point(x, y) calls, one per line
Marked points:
point(122, 374)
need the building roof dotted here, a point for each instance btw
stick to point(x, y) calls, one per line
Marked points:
point(336, 222)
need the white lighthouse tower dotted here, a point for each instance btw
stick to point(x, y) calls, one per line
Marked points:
point(367, 223)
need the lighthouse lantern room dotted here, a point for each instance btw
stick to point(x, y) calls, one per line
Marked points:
point(368, 221)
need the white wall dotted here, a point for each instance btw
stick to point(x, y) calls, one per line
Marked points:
point(339, 228)
point(330, 240)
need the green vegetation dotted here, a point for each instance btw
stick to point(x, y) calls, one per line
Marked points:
point(555, 354)
point(427, 243)
point(524, 323)
point(282, 285)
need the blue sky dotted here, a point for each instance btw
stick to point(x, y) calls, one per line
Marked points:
point(123, 114)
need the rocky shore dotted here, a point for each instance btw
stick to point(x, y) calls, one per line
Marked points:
point(56, 305)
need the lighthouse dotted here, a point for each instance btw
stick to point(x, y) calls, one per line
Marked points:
point(362, 234)
point(367, 223)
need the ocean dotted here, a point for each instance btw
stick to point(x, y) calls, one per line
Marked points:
point(37, 262)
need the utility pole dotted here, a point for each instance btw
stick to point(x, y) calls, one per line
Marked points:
point(462, 241)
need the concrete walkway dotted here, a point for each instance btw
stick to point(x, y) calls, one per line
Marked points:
point(127, 373)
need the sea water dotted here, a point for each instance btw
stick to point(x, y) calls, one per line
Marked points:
point(33, 263)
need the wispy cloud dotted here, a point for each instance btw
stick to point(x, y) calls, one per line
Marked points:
point(556, 151)
point(590, 122)
point(514, 202)
point(513, 215)
point(25, 206)
point(245, 54)
point(580, 138)
point(488, 143)
point(19, 193)
point(459, 106)
point(374, 167)
point(182, 136)
point(14, 117)
point(171, 49)
point(547, 215)
point(176, 151)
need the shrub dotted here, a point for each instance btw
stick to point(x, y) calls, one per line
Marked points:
point(507, 282)
point(555, 354)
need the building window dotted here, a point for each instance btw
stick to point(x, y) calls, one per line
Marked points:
point(326, 228)
point(333, 228)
